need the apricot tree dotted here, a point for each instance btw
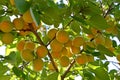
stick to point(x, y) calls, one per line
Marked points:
point(59, 39)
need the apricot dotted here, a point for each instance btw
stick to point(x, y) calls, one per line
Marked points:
point(56, 46)
point(27, 55)
point(62, 36)
point(18, 23)
point(27, 17)
point(38, 64)
point(29, 45)
point(6, 26)
point(64, 61)
point(68, 44)
point(64, 51)
point(99, 39)
point(90, 58)
point(41, 51)
point(75, 50)
point(7, 38)
point(56, 55)
point(20, 45)
point(78, 41)
point(81, 59)
point(118, 57)
point(50, 66)
point(52, 33)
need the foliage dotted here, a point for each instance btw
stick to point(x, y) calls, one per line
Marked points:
point(59, 41)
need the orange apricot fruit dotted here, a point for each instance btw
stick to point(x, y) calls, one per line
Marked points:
point(81, 59)
point(56, 46)
point(18, 23)
point(27, 17)
point(38, 64)
point(27, 55)
point(64, 61)
point(20, 45)
point(29, 45)
point(7, 38)
point(78, 41)
point(62, 36)
point(41, 51)
point(6, 26)
point(52, 33)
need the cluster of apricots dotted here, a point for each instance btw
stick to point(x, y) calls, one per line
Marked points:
point(20, 25)
point(29, 52)
point(62, 48)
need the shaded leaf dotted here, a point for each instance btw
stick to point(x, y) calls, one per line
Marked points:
point(104, 50)
point(23, 5)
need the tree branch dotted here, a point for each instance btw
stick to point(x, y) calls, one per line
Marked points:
point(68, 69)
point(40, 42)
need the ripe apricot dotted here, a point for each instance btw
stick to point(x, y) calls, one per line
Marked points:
point(99, 39)
point(41, 51)
point(18, 23)
point(108, 42)
point(7, 38)
point(56, 46)
point(6, 26)
point(64, 51)
point(78, 41)
point(81, 59)
point(64, 61)
point(52, 33)
point(27, 55)
point(50, 66)
point(69, 52)
point(29, 45)
point(75, 50)
point(90, 58)
point(20, 45)
point(38, 64)
point(56, 55)
point(118, 57)
point(27, 17)
point(62, 36)
point(68, 44)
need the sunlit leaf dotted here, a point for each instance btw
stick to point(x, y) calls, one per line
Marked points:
point(53, 76)
point(98, 22)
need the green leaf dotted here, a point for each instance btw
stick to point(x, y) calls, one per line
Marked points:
point(104, 50)
point(18, 72)
point(53, 76)
point(43, 74)
point(3, 69)
point(5, 77)
point(80, 19)
point(11, 57)
point(98, 22)
point(75, 26)
point(101, 73)
point(88, 75)
point(23, 5)
point(35, 16)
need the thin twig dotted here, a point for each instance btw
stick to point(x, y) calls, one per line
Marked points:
point(109, 9)
point(69, 23)
point(68, 69)
point(36, 34)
